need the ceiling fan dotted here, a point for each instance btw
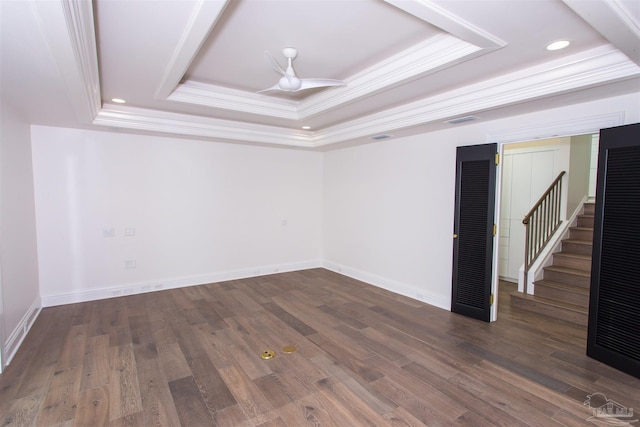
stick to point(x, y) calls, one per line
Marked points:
point(289, 82)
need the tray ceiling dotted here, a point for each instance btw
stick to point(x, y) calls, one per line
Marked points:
point(193, 68)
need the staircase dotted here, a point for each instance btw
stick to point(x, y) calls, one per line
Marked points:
point(563, 293)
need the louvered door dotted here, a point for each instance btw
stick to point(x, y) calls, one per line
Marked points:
point(614, 307)
point(473, 230)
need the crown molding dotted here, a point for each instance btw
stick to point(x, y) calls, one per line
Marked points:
point(205, 127)
point(614, 21)
point(208, 95)
point(434, 54)
point(75, 49)
point(429, 56)
point(205, 15)
point(597, 66)
point(438, 16)
point(69, 32)
point(581, 126)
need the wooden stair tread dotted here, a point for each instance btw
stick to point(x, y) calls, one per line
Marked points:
point(581, 242)
point(550, 302)
point(583, 273)
point(563, 292)
point(572, 255)
point(564, 286)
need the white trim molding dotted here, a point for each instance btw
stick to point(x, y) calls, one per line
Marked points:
point(177, 124)
point(436, 15)
point(594, 67)
point(459, 42)
point(18, 335)
point(587, 69)
point(614, 21)
point(434, 54)
point(70, 34)
point(120, 290)
point(561, 128)
point(204, 17)
point(208, 95)
point(394, 286)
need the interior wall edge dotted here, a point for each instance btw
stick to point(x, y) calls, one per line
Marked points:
point(17, 336)
point(405, 289)
point(84, 295)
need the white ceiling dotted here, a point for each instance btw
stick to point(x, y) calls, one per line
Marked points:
point(192, 67)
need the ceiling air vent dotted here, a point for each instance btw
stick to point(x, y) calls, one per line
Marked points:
point(462, 120)
point(383, 136)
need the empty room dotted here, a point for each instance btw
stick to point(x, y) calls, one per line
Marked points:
point(322, 212)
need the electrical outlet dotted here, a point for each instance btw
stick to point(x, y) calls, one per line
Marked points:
point(130, 231)
point(108, 232)
point(130, 264)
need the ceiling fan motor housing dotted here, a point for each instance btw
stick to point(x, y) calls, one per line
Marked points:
point(289, 83)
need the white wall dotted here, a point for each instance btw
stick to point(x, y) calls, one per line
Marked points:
point(579, 171)
point(205, 211)
point(18, 249)
point(388, 206)
point(200, 211)
point(388, 214)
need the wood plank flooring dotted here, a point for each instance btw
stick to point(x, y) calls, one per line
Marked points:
point(365, 357)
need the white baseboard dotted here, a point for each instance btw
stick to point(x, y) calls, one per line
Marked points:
point(390, 285)
point(172, 283)
point(20, 332)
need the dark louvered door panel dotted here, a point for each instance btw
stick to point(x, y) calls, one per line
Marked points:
point(614, 311)
point(472, 232)
point(473, 246)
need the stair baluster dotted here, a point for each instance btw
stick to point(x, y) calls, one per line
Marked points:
point(540, 223)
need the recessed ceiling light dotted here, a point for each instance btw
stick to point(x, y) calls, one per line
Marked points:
point(306, 127)
point(557, 45)
point(118, 100)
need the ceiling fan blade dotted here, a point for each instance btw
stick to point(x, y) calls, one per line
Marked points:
point(271, 89)
point(274, 64)
point(313, 83)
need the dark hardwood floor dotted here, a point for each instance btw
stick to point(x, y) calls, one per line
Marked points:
point(365, 357)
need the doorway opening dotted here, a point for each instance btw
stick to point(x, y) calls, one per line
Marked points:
point(527, 169)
